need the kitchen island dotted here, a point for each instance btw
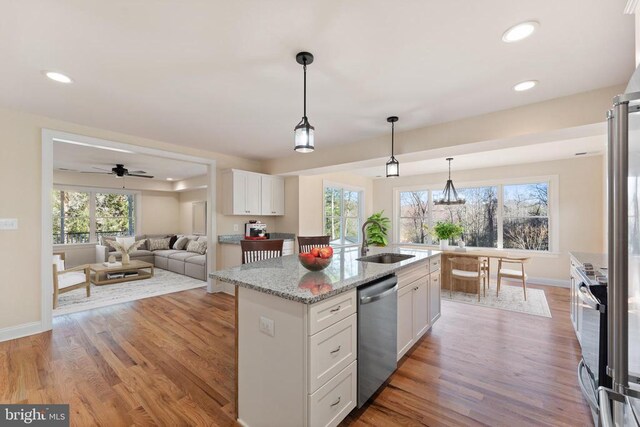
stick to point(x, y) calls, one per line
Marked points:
point(296, 331)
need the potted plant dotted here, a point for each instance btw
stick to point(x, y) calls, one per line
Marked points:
point(445, 230)
point(378, 229)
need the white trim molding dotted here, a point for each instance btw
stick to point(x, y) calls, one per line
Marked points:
point(19, 331)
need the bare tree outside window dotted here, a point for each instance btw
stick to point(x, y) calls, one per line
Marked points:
point(342, 215)
point(414, 221)
point(526, 216)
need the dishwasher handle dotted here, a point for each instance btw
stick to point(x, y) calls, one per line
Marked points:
point(376, 297)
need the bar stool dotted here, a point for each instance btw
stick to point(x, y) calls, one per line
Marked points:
point(257, 250)
point(307, 243)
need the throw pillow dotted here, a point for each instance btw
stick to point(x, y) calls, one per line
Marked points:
point(172, 240)
point(180, 243)
point(158, 244)
point(197, 247)
point(126, 241)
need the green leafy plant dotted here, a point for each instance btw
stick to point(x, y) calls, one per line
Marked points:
point(377, 231)
point(445, 230)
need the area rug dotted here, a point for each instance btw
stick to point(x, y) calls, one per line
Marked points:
point(511, 298)
point(163, 282)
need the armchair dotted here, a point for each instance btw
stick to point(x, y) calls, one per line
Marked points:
point(65, 280)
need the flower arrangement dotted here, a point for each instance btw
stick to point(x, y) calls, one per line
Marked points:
point(125, 249)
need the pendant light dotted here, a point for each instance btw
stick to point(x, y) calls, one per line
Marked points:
point(303, 132)
point(450, 195)
point(393, 166)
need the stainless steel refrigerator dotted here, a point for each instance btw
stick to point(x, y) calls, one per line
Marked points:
point(620, 405)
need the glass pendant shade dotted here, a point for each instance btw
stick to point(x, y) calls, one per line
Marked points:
point(393, 168)
point(303, 134)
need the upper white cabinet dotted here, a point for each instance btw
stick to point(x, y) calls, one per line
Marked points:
point(250, 193)
point(272, 195)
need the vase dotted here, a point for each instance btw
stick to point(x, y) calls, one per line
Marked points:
point(125, 259)
point(444, 244)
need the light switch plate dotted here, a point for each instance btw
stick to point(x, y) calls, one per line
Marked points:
point(8, 223)
point(267, 326)
point(235, 227)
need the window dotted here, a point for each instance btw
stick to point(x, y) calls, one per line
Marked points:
point(84, 216)
point(509, 216)
point(414, 220)
point(342, 214)
point(478, 216)
point(526, 217)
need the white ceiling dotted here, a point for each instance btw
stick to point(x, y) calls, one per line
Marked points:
point(86, 159)
point(548, 151)
point(222, 75)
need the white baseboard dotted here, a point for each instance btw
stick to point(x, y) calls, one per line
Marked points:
point(19, 331)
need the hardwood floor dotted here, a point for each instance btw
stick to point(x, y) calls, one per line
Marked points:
point(169, 360)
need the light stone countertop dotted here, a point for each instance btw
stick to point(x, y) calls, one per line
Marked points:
point(599, 261)
point(234, 239)
point(285, 277)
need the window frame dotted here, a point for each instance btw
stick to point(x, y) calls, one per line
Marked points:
point(361, 202)
point(553, 209)
point(92, 191)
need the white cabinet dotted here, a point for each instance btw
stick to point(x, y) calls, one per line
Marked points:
point(418, 302)
point(405, 320)
point(272, 195)
point(434, 297)
point(250, 193)
point(241, 192)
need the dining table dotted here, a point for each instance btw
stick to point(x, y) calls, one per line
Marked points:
point(465, 285)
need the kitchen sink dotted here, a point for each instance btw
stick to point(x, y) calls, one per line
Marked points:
point(385, 258)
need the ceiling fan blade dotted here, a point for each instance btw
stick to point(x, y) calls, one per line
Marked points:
point(140, 176)
point(138, 172)
point(99, 173)
point(102, 169)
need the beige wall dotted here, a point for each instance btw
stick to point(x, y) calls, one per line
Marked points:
point(160, 212)
point(581, 198)
point(186, 212)
point(20, 146)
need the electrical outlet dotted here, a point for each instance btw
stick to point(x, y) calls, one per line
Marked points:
point(236, 227)
point(267, 326)
point(8, 223)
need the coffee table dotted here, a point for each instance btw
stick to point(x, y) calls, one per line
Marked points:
point(135, 270)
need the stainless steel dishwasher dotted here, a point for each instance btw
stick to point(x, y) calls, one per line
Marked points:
point(377, 335)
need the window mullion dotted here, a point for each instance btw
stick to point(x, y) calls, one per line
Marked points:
point(93, 236)
point(500, 216)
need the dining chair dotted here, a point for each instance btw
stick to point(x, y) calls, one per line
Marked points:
point(257, 250)
point(305, 244)
point(513, 273)
point(485, 266)
point(68, 279)
point(469, 269)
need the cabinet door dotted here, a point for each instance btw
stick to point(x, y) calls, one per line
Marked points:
point(277, 192)
point(253, 197)
point(434, 297)
point(420, 307)
point(405, 320)
point(239, 189)
point(267, 195)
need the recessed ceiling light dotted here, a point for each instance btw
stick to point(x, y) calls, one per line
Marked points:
point(58, 77)
point(525, 85)
point(169, 179)
point(520, 31)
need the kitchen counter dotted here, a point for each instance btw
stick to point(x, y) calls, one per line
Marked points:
point(599, 261)
point(234, 239)
point(285, 277)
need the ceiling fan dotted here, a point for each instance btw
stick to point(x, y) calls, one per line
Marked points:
point(120, 171)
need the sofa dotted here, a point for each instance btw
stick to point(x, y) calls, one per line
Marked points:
point(176, 260)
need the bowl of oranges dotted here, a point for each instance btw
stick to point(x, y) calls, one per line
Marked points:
point(317, 259)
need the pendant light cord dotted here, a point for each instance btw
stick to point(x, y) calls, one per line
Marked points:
point(304, 67)
point(393, 126)
point(449, 169)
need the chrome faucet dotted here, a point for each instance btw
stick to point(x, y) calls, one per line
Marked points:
point(365, 246)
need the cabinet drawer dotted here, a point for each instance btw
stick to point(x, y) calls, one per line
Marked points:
point(435, 278)
point(409, 275)
point(331, 350)
point(434, 263)
point(326, 313)
point(333, 401)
